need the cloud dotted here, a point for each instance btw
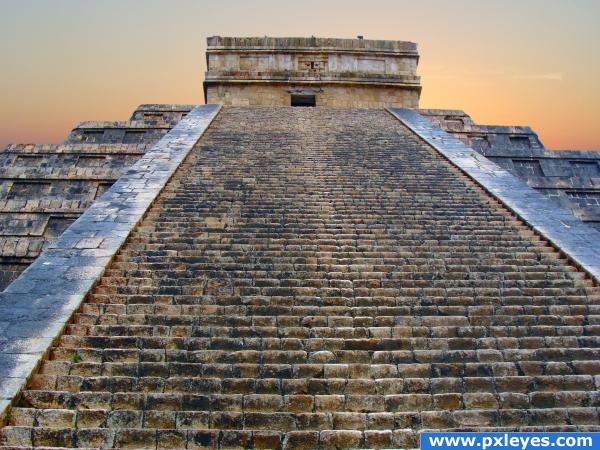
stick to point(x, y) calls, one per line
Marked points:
point(553, 76)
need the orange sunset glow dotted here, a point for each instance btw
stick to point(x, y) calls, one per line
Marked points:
point(531, 62)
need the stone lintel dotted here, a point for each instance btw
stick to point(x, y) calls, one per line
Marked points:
point(576, 240)
point(37, 306)
point(310, 44)
point(284, 81)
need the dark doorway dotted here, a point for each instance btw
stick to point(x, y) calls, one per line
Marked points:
point(304, 100)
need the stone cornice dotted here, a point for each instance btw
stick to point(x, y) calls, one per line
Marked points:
point(310, 45)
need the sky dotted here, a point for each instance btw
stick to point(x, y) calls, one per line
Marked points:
point(504, 62)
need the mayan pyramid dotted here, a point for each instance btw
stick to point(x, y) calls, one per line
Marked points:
point(308, 261)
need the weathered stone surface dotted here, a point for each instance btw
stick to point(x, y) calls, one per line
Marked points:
point(580, 242)
point(297, 288)
point(571, 178)
point(334, 72)
point(37, 306)
point(44, 188)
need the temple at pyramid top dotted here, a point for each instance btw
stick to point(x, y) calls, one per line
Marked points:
point(286, 71)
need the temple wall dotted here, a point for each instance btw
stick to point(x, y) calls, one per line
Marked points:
point(337, 96)
point(322, 63)
point(338, 72)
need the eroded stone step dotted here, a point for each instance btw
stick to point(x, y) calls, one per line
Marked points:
point(289, 421)
point(284, 430)
point(236, 439)
point(325, 344)
point(338, 356)
point(254, 305)
point(502, 333)
point(24, 437)
point(325, 379)
point(398, 317)
point(352, 370)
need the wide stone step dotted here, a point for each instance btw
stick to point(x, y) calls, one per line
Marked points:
point(151, 438)
point(159, 413)
point(281, 262)
point(395, 279)
point(577, 315)
point(542, 390)
point(319, 343)
point(237, 439)
point(485, 248)
point(352, 430)
point(476, 288)
point(447, 317)
point(304, 403)
point(364, 308)
point(351, 370)
point(338, 356)
point(504, 333)
point(333, 305)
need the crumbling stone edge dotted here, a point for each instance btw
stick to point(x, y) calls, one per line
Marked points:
point(37, 306)
point(574, 239)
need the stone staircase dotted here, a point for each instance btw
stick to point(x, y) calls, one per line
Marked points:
point(319, 278)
